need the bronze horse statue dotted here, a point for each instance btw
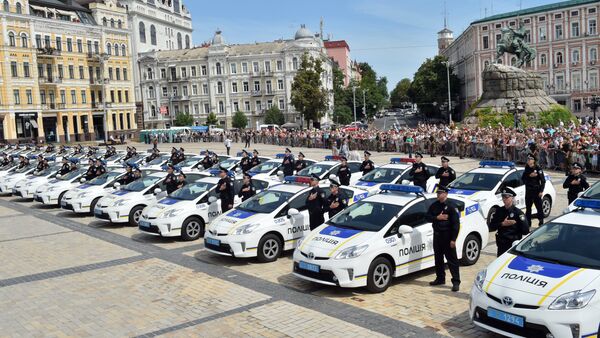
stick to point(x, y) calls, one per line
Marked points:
point(513, 42)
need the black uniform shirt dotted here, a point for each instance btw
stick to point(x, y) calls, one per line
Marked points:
point(227, 193)
point(451, 225)
point(171, 183)
point(315, 205)
point(575, 189)
point(513, 232)
point(367, 166)
point(247, 191)
point(422, 176)
point(335, 198)
point(536, 182)
point(299, 165)
point(344, 174)
point(445, 180)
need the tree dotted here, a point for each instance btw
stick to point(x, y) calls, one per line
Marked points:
point(370, 90)
point(399, 94)
point(239, 120)
point(342, 115)
point(184, 120)
point(308, 95)
point(211, 119)
point(274, 116)
point(429, 88)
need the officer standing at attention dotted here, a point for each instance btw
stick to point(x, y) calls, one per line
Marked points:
point(344, 173)
point(99, 167)
point(335, 202)
point(181, 180)
point(225, 189)
point(247, 189)
point(288, 163)
point(314, 203)
point(534, 180)
point(170, 179)
point(445, 174)
point(128, 177)
point(509, 221)
point(254, 161)
point(245, 162)
point(445, 221)
point(207, 160)
point(65, 168)
point(367, 165)
point(300, 163)
point(419, 172)
point(575, 182)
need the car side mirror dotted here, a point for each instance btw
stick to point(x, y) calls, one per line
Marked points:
point(405, 182)
point(280, 173)
point(293, 212)
point(333, 177)
point(117, 185)
point(580, 193)
point(212, 199)
point(405, 229)
point(238, 170)
point(157, 191)
point(82, 180)
point(58, 176)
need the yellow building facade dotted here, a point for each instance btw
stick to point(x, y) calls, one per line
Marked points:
point(66, 71)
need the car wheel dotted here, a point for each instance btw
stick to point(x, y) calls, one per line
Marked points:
point(546, 206)
point(471, 250)
point(135, 214)
point(491, 215)
point(93, 205)
point(192, 228)
point(60, 197)
point(269, 248)
point(380, 275)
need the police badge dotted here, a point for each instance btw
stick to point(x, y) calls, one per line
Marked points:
point(512, 215)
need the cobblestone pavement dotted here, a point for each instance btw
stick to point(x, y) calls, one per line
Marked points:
point(68, 275)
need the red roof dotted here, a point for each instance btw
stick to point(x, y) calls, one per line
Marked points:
point(337, 44)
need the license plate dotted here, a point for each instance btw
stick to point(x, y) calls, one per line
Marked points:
point(144, 224)
point(213, 241)
point(506, 317)
point(309, 267)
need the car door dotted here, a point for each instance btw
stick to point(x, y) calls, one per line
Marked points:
point(432, 182)
point(355, 170)
point(237, 186)
point(293, 227)
point(213, 210)
point(514, 181)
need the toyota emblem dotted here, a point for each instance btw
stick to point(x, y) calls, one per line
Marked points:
point(507, 301)
point(311, 255)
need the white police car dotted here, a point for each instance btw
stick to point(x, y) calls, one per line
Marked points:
point(548, 284)
point(331, 166)
point(593, 192)
point(157, 163)
point(7, 182)
point(268, 223)
point(383, 236)
point(397, 172)
point(53, 192)
point(270, 168)
point(126, 204)
point(26, 187)
point(484, 184)
point(84, 198)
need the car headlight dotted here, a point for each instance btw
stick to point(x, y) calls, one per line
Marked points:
point(51, 189)
point(246, 229)
point(480, 278)
point(352, 252)
point(119, 203)
point(171, 213)
point(82, 194)
point(572, 300)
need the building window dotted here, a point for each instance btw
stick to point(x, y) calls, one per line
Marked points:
point(542, 33)
point(6, 6)
point(245, 86)
point(592, 27)
point(165, 92)
point(24, 40)
point(153, 35)
point(187, 41)
point(149, 73)
point(184, 72)
point(258, 106)
point(42, 96)
point(269, 104)
point(218, 68)
point(116, 49)
point(29, 96)
point(112, 23)
point(560, 82)
point(575, 29)
point(150, 92)
point(576, 81)
point(281, 104)
point(11, 39)
point(125, 74)
point(163, 73)
point(575, 56)
point(559, 58)
point(26, 72)
point(61, 73)
point(179, 41)
point(118, 73)
point(269, 87)
point(234, 87)
point(58, 43)
point(38, 41)
point(233, 68)
point(221, 107)
point(486, 42)
point(123, 50)
point(19, 8)
point(79, 46)
point(206, 108)
point(577, 105)
point(194, 89)
point(295, 63)
point(73, 96)
point(280, 84)
point(110, 73)
point(120, 23)
point(203, 70)
point(246, 105)
point(13, 69)
point(194, 73)
point(127, 96)
point(593, 80)
point(257, 86)
point(184, 91)
point(255, 67)
point(513, 61)
point(543, 59)
point(244, 67)
point(96, 47)
point(593, 54)
point(558, 32)
point(204, 89)
point(47, 41)
point(279, 65)
point(219, 87)
point(142, 29)
point(16, 96)
point(267, 66)
point(108, 49)
point(236, 106)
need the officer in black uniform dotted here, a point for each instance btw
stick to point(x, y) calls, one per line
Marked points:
point(335, 201)
point(42, 164)
point(445, 174)
point(288, 163)
point(65, 168)
point(173, 158)
point(254, 161)
point(23, 162)
point(170, 179)
point(575, 182)
point(314, 203)
point(300, 163)
point(91, 171)
point(181, 182)
point(509, 221)
point(180, 155)
point(245, 162)
point(207, 160)
point(534, 180)
point(137, 172)
point(367, 165)
point(344, 173)
point(99, 168)
point(444, 217)
point(153, 155)
point(128, 177)
point(419, 172)
point(225, 190)
point(247, 189)
point(110, 152)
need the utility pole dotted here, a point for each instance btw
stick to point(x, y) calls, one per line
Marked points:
point(354, 100)
point(364, 105)
point(449, 98)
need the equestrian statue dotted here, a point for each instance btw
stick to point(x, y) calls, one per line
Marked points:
point(513, 42)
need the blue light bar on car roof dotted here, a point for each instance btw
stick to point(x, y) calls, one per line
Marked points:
point(296, 179)
point(407, 189)
point(215, 172)
point(587, 203)
point(280, 156)
point(497, 164)
point(333, 158)
point(401, 160)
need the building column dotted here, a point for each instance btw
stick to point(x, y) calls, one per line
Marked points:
point(40, 122)
point(60, 135)
point(71, 128)
point(91, 132)
point(10, 128)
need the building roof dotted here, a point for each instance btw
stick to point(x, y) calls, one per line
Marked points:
point(60, 4)
point(336, 44)
point(534, 10)
point(303, 33)
point(242, 49)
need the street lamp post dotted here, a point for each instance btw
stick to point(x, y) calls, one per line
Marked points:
point(364, 105)
point(354, 100)
point(447, 63)
point(593, 104)
point(516, 107)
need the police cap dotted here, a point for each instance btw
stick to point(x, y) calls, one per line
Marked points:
point(445, 159)
point(507, 191)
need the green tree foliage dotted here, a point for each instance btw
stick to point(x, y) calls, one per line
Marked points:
point(239, 120)
point(430, 85)
point(308, 95)
point(274, 116)
point(183, 120)
point(211, 119)
point(399, 94)
point(554, 116)
point(342, 115)
point(375, 91)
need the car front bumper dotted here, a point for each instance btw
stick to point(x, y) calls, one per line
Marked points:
point(161, 226)
point(112, 214)
point(77, 205)
point(240, 246)
point(347, 273)
point(48, 198)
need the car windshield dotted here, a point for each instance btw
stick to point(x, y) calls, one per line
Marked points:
point(142, 183)
point(366, 216)
point(265, 167)
point(265, 202)
point(159, 160)
point(382, 175)
point(560, 243)
point(25, 168)
point(191, 191)
point(476, 181)
point(104, 178)
point(593, 192)
point(114, 157)
point(48, 171)
point(190, 162)
point(72, 174)
point(317, 169)
point(227, 164)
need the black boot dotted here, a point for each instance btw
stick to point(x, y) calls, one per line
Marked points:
point(455, 286)
point(437, 282)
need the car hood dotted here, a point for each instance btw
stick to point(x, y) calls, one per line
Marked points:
point(534, 282)
point(119, 194)
point(14, 178)
point(366, 185)
point(168, 203)
point(227, 222)
point(469, 194)
point(328, 240)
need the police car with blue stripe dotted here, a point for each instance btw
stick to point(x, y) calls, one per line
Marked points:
point(381, 237)
point(83, 199)
point(396, 172)
point(53, 192)
point(593, 192)
point(268, 223)
point(331, 166)
point(269, 169)
point(547, 284)
point(484, 184)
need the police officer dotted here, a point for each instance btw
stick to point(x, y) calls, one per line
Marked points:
point(534, 180)
point(207, 160)
point(170, 179)
point(445, 174)
point(445, 221)
point(99, 168)
point(335, 201)
point(247, 189)
point(254, 161)
point(288, 163)
point(173, 158)
point(367, 165)
point(181, 182)
point(509, 221)
point(245, 162)
point(42, 164)
point(344, 173)
point(129, 175)
point(575, 182)
point(419, 172)
point(152, 156)
point(65, 168)
point(91, 171)
point(23, 162)
point(110, 152)
point(225, 189)
point(180, 155)
point(300, 163)
point(314, 203)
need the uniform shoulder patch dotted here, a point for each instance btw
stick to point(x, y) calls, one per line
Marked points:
point(522, 217)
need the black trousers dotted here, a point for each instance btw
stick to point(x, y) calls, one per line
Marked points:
point(441, 249)
point(532, 197)
point(503, 245)
point(225, 205)
point(315, 219)
point(571, 196)
point(422, 184)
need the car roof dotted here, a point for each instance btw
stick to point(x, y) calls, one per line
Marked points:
point(587, 217)
point(396, 166)
point(160, 174)
point(291, 188)
point(498, 171)
point(391, 198)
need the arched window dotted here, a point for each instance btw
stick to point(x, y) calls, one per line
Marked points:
point(11, 39)
point(559, 58)
point(119, 23)
point(6, 6)
point(295, 63)
point(575, 56)
point(108, 49)
point(179, 41)
point(219, 68)
point(112, 22)
point(499, 61)
point(116, 49)
point(543, 59)
point(153, 35)
point(19, 8)
point(187, 41)
point(123, 50)
point(593, 54)
point(142, 32)
point(104, 21)
point(219, 87)
point(24, 40)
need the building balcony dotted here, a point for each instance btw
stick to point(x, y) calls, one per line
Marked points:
point(180, 98)
point(49, 80)
point(48, 52)
point(256, 93)
point(173, 79)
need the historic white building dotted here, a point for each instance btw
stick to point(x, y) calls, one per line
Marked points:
point(225, 78)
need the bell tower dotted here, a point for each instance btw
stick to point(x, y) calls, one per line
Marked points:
point(445, 36)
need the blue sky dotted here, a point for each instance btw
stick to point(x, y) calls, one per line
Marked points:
point(394, 36)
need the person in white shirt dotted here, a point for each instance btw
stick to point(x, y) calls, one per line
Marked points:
point(227, 144)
